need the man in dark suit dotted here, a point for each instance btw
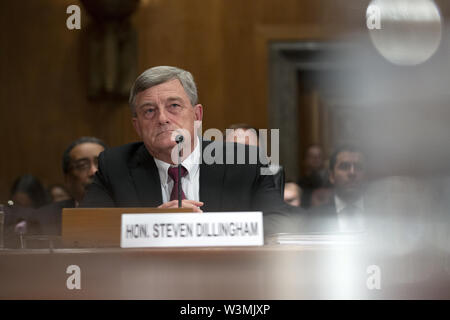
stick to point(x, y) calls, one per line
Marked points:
point(164, 105)
point(79, 165)
point(345, 211)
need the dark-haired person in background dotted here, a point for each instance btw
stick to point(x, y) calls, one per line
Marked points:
point(28, 192)
point(27, 195)
point(246, 134)
point(345, 210)
point(316, 175)
point(79, 165)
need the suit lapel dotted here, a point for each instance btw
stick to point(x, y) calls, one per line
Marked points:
point(211, 184)
point(145, 176)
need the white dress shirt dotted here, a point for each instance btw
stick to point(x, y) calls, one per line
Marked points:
point(190, 182)
point(350, 215)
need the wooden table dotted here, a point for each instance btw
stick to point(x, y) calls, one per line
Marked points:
point(268, 272)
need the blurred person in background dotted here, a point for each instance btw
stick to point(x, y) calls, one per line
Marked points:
point(316, 175)
point(321, 196)
point(292, 194)
point(242, 133)
point(27, 191)
point(345, 210)
point(58, 192)
point(21, 216)
point(246, 134)
point(79, 165)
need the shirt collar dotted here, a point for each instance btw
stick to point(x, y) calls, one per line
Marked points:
point(341, 204)
point(191, 163)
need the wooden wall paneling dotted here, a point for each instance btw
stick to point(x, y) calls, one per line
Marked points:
point(224, 43)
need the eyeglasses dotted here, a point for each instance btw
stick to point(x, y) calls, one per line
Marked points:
point(84, 164)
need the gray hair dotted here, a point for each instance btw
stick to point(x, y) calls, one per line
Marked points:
point(157, 75)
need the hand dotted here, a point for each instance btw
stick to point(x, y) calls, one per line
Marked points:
point(184, 204)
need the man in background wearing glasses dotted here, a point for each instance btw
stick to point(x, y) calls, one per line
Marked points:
point(79, 164)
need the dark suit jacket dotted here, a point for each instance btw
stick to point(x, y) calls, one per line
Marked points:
point(323, 218)
point(128, 177)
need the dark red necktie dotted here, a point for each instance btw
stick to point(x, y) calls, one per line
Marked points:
point(173, 173)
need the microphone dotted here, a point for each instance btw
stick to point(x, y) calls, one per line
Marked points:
point(21, 229)
point(178, 139)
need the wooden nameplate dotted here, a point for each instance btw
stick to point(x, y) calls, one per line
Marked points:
point(98, 227)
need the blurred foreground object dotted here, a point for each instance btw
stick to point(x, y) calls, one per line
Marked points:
point(408, 31)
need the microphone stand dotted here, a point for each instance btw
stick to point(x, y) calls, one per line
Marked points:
point(178, 139)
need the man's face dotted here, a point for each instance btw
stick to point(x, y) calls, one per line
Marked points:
point(161, 110)
point(314, 158)
point(82, 168)
point(348, 175)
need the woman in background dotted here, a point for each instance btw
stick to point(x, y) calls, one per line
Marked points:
point(27, 191)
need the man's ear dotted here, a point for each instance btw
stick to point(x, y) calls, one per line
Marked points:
point(198, 110)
